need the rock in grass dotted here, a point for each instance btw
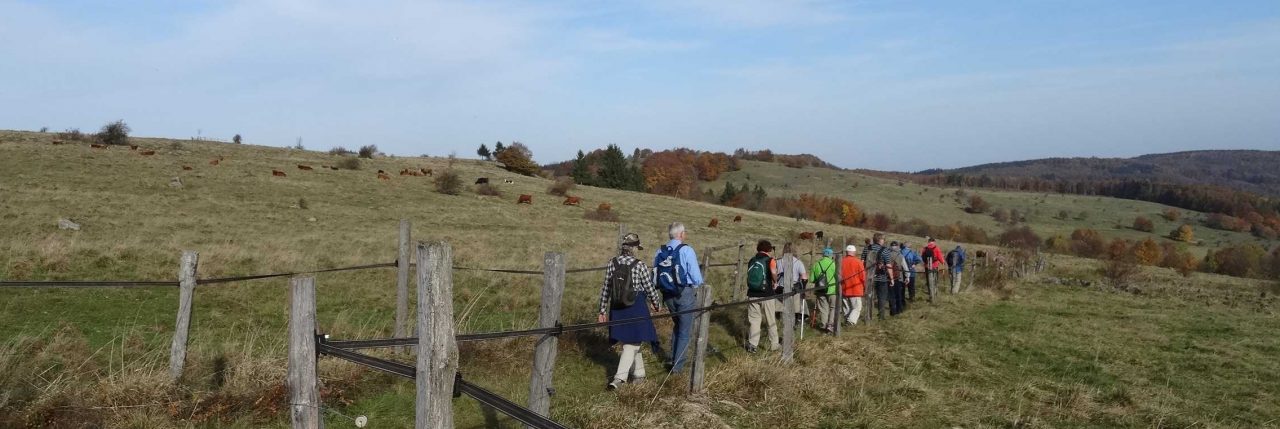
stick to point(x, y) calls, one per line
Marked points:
point(68, 224)
point(175, 182)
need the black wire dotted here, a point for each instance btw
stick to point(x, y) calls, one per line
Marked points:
point(267, 276)
point(85, 283)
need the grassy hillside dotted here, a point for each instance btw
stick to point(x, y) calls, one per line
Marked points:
point(1111, 216)
point(1186, 352)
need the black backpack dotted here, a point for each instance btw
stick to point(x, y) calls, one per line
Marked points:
point(621, 294)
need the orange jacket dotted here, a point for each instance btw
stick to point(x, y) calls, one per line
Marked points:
point(854, 283)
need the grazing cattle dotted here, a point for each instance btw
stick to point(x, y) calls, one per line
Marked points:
point(806, 236)
point(572, 201)
point(133, 147)
point(737, 219)
point(147, 153)
point(98, 146)
point(604, 207)
point(215, 161)
point(509, 181)
point(416, 173)
point(524, 199)
point(714, 223)
point(981, 254)
point(482, 181)
point(426, 171)
point(383, 176)
point(304, 167)
point(186, 168)
point(333, 168)
point(278, 173)
point(818, 235)
point(404, 172)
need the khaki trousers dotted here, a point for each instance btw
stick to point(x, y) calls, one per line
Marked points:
point(763, 311)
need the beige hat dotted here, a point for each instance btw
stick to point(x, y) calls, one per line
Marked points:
point(850, 249)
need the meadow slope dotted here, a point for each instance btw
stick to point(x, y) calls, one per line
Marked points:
point(1184, 352)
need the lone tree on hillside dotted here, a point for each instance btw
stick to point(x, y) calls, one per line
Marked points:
point(498, 148)
point(1171, 214)
point(236, 139)
point(484, 152)
point(1184, 233)
point(517, 158)
point(367, 151)
point(115, 133)
point(978, 205)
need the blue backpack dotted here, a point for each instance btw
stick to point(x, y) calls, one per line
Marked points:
point(669, 277)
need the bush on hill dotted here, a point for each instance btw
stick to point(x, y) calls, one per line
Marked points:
point(115, 133)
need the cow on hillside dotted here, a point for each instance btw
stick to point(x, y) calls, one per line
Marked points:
point(524, 198)
point(278, 173)
point(737, 219)
point(604, 207)
point(304, 167)
point(714, 223)
point(147, 153)
point(572, 201)
point(482, 181)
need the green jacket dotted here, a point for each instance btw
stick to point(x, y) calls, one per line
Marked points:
point(825, 268)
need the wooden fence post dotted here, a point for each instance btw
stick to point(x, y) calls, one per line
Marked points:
point(622, 231)
point(304, 389)
point(837, 307)
point(437, 349)
point(788, 309)
point(739, 292)
point(186, 288)
point(402, 329)
point(698, 373)
point(544, 355)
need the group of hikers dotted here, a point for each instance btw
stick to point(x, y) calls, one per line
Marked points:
point(633, 290)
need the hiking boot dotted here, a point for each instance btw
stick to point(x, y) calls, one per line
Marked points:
point(752, 349)
point(613, 385)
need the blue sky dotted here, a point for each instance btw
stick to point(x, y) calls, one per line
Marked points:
point(890, 85)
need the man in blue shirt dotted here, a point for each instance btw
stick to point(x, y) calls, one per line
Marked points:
point(913, 261)
point(683, 298)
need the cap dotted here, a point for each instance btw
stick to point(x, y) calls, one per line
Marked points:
point(851, 249)
point(631, 239)
point(828, 252)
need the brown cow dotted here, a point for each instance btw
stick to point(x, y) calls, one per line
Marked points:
point(98, 146)
point(186, 168)
point(416, 173)
point(304, 167)
point(525, 199)
point(737, 219)
point(147, 153)
point(214, 161)
point(333, 168)
point(57, 142)
point(714, 223)
point(604, 207)
point(806, 236)
point(572, 201)
point(405, 172)
point(381, 172)
point(278, 173)
point(383, 176)
point(426, 171)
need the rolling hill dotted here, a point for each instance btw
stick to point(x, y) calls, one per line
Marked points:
point(1027, 353)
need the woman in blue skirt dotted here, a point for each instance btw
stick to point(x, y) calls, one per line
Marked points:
point(628, 287)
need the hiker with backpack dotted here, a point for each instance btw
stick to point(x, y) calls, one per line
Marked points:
point(955, 264)
point(628, 293)
point(879, 262)
point(913, 263)
point(853, 285)
point(897, 280)
point(677, 274)
point(932, 257)
point(801, 278)
point(823, 273)
point(761, 283)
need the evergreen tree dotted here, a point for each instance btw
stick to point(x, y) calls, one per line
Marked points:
point(580, 173)
point(484, 152)
point(728, 194)
point(498, 148)
point(613, 169)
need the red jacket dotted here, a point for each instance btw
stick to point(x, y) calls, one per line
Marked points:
point(932, 249)
point(854, 283)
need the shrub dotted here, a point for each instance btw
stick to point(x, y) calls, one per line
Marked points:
point(349, 164)
point(1245, 260)
point(1184, 233)
point(601, 215)
point(1177, 258)
point(1119, 273)
point(236, 139)
point(1020, 238)
point(1141, 223)
point(488, 190)
point(561, 186)
point(1087, 243)
point(339, 150)
point(1171, 214)
point(115, 133)
point(1148, 252)
point(447, 182)
point(44, 129)
point(1000, 215)
point(1226, 223)
point(71, 134)
point(978, 205)
point(1062, 215)
point(367, 151)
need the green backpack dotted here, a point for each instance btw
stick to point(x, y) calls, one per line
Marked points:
point(758, 274)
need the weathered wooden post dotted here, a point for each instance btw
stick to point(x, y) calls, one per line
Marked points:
point(402, 329)
point(837, 307)
point(544, 355)
point(788, 309)
point(186, 290)
point(701, 334)
point(304, 386)
point(622, 231)
point(739, 292)
point(437, 348)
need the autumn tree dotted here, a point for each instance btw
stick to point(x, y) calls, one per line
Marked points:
point(1184, 233)
point(1021, 238)
point(670, 173)
point(1087, 243)
point(978, 205)
point(1141, 223)
point(1171, 214)
point(518, 159)
point(1148, 252)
